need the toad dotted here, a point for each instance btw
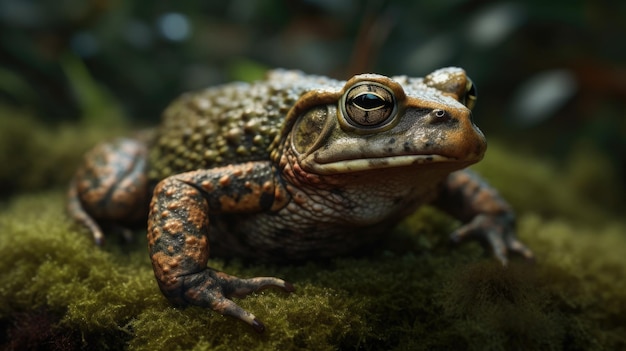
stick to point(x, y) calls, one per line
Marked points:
point(292, 168)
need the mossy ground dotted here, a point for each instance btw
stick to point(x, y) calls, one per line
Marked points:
point(415, 292)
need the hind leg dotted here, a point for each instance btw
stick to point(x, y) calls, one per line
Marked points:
point(110, 187)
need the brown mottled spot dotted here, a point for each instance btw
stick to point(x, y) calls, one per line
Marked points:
point(197, 216)
point(85, 184)
point(471, 187)
point(189, 192)
point(153, 236)
point(224, 180)
point(95, 195)
point(158, 187)
point(196, 249)
point(227, 203)
point(222, 275)
point(126, 183)
point(166, 270)
point(484, 200)
point(173, 226)
point(280, 196)
point(154, 209)
point(249, 169)
point(121, 197)
point(250, 201)
point(173, 205)
point(460, 179)
point(165, 213)
point(207, 185)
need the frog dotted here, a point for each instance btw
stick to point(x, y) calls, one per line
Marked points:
point(291, 168)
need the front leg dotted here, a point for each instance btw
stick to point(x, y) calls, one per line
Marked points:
point(178, 227)
point(486, 216)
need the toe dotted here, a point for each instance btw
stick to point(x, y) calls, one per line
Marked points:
point(227, 307)
point(520, 249)
point(243, 287)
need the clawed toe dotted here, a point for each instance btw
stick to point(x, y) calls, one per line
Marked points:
point(214, 289)
point(227, 307)
point(520, 249)
point(243, 287)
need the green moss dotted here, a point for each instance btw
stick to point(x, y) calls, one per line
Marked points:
point(415, 292)
point(46, 265)
point(419, 295)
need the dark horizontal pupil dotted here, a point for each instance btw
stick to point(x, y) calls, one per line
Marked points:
point(368, 101)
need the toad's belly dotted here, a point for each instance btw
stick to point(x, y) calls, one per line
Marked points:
point(267, 237)
point(305, 231)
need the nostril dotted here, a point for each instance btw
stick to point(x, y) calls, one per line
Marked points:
point(439, 116)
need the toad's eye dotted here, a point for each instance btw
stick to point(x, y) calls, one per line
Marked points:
point(368, 101)
point(369, 104)
point(471, 94)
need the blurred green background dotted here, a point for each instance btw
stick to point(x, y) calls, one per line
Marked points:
point(550, 75)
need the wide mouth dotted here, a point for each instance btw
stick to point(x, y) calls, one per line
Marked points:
point(377, 163)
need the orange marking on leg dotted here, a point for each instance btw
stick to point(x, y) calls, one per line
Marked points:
point(173, 206)
point(188, 193)
point(246, 202)
point(166, 270)
point(197, 216)
point(488, 202)
point(173, 226)
point(207, 185)
point(227, 203)
point(153, 236)
point(224, 180)
point(196, 249)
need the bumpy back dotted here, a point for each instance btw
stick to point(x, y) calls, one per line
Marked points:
point(226, 124)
